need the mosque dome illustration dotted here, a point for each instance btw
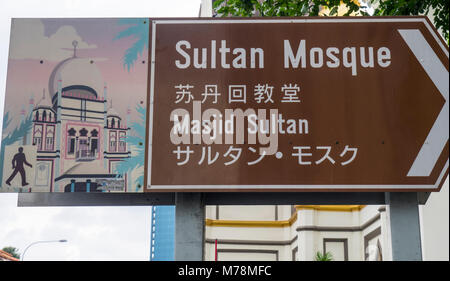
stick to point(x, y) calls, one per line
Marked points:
point(77, 74)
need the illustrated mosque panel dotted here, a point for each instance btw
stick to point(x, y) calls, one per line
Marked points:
point(81, 133)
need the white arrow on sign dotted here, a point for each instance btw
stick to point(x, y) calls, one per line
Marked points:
point(437, 137)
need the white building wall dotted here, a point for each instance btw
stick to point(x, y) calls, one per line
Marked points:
point(284, 212)
point(250, 213)
point(206, 9)
point(434, 216)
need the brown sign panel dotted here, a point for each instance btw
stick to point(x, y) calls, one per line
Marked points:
point(306, 104)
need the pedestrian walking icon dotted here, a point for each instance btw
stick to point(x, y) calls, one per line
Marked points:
point(18, 161)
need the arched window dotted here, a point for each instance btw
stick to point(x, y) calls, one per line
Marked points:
point(112, 142)
point(71, 141)
point(49, 137)
point(122, 142)
point(37, 137)
point(94, 142)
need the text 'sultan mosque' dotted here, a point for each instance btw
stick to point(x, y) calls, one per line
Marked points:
point(78, 135)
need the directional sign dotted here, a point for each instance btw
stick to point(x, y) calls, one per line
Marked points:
point(336, 104)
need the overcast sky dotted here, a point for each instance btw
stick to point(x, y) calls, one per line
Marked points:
point(93, 233)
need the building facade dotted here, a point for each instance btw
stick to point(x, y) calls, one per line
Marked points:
point(162, 233)
point(78, 136)
point(296, 233)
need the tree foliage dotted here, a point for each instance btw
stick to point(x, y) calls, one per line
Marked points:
point(323, 257)
point(13, 251)
point(136, 141)
point(138, 30)
point(295, 8)
point(439, 9)
point(280, 8)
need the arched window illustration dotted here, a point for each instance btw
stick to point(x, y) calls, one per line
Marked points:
point(112, 141)
point(36, 115)
point(94, 142)
point(82, 151)
point(71, 141)
point(49, 138)
point(113, 123)
point(122, 142)
point(37, 137)
point(44, 116)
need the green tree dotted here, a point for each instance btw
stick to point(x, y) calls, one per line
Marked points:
point(439, 9)
point(296, 8)
point(13, 251)
point(323, 257)
point(280, 8)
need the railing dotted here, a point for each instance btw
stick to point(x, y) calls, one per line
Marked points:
point(85, 155)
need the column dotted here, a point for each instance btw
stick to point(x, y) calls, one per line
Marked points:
point(189, 226)
point(306, 249)
point(405, 226)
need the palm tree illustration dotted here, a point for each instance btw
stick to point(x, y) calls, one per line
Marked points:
point(137, 158)
point(139, 30)
point(15, 135)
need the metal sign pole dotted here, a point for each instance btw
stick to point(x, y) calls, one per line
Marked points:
point(189, 226)
point(405, 226)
